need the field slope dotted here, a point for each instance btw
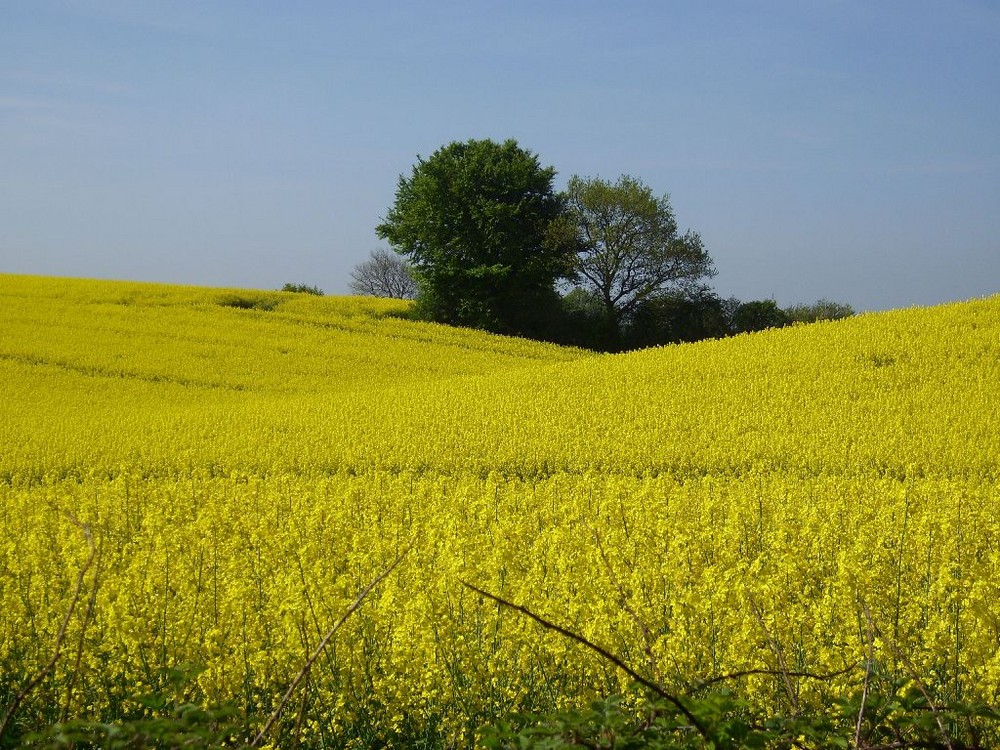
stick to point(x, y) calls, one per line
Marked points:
point(247, 461)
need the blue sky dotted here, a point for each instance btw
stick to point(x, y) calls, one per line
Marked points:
point(840, 149)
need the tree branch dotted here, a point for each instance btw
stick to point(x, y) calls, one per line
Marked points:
point(74, 600)
point(676, 702)
point(322, 644)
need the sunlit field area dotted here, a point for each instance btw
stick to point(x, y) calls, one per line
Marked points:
point(206, 479)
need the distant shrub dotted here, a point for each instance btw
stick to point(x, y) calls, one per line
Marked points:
point(405, 313)
point(249, 301)
point(673, 318)
point(823, 309)
point(758, 315)
point(302, 289)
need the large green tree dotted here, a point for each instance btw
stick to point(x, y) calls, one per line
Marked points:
point(631, 248)
point(485, 234)
point(757, 315)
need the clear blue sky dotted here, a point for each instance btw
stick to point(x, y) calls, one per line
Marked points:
point(847, 149)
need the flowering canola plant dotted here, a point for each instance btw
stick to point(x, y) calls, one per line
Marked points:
point(248, 461)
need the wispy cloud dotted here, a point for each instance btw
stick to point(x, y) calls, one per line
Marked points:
point(22, 104)
point(942, 167)
point(154, 15)
point(36, 120)
point(813, 139)
point(61, 80)
point(37, 103)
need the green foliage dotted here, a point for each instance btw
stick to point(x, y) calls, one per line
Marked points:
point(249, 301)
point(609, 723)
point(167, 718)
point(662, 319)
point(676, 318)
point(758, 315)
point(182, 726)
point(484, 232)
point(302, 289)
point(487, 238)
point(632, 250)
point(822, 309)
point(580, 319)
point(882, 712)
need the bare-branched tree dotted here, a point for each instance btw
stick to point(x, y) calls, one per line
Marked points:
point(384, 274)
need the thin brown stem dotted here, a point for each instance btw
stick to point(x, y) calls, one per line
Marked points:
point(934, 708)
point(322, 645)
point(647, 635)
point(779, 652)
point(773, 673)
point(61, 636)
point(604, 653)
point(300, 716)
point(87, 617)
point(868, 675)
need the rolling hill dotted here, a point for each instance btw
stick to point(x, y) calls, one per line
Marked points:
point(246, 462)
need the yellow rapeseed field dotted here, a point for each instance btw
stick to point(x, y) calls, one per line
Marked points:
point(248, 461)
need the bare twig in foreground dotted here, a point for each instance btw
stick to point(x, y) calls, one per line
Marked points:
point(74, 600)
point(779, 652)
point(322, 645)
point(598, 650)
point(931, 704)
point(774, 673)
point(647, 635)
point(868, 675)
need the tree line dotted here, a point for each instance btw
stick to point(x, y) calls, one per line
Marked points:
point(481, 238)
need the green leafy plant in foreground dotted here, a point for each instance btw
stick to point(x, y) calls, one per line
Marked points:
point(172, 722)
point(886, 711)
point(892, 721)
